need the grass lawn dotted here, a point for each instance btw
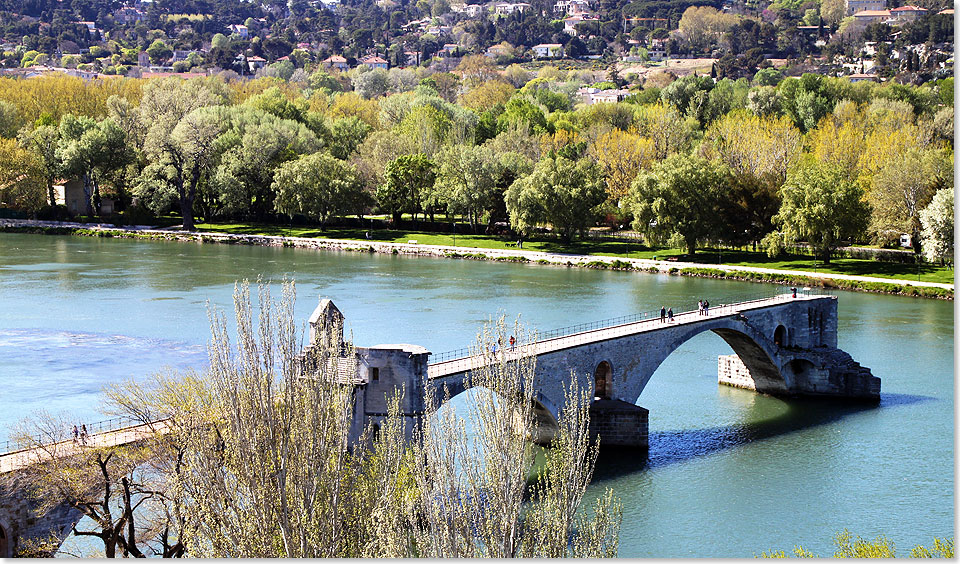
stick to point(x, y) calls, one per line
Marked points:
point(612, 248)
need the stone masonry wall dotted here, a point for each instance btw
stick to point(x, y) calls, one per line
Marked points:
point(619, 423)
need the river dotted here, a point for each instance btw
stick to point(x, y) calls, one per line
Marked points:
point(729, 474)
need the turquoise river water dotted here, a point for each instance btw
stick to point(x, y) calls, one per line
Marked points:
point(729, 473)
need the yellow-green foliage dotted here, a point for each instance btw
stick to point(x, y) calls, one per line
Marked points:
point(849, 546)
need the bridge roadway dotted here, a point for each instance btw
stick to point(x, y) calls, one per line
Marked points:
point(462, 364)
point(19, 459)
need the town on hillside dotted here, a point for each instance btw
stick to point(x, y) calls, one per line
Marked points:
point(863, 39)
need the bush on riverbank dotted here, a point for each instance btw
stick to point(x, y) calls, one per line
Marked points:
point(849, 546)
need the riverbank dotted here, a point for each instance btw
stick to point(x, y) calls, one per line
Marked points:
point(412, 247)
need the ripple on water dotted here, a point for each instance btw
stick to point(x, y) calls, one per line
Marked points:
point(64, 371)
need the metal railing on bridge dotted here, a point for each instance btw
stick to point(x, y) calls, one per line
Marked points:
point(719, 309)
point(115, 423)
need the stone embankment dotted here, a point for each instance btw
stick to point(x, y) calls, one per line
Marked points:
point(745, 273)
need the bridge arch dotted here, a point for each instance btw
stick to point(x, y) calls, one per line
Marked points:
point(755, 350)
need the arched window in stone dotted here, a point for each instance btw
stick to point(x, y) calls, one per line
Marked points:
point(602, 377)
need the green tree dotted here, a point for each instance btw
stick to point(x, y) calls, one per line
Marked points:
point(519, 112)
point(373, 83)
point(406, 180)
point(43, 141)
point(346, 134)
point(317, 186)
point(681, 195)
point(10, 120)
point(159, 52)
point(427, 126)
point(219, 40)
point(92, 150)
point(467, 177)
point(253, 145)
point(821, 207)
point(904, 187)
point(22, 180)
point(561, 192)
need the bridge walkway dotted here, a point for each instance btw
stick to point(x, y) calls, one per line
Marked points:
point(40, 451)
point(449, 366)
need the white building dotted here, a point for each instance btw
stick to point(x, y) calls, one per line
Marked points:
point(548, 50)
point(240, 30)
point(507, 8)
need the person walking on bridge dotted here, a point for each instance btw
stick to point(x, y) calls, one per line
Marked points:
point(83, 434)
point(76, 434)
point(663, 314)
point(706, 307)
point(670, 315)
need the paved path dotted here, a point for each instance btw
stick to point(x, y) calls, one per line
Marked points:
point(457, 365)
point(19, 459)
point(444, 250)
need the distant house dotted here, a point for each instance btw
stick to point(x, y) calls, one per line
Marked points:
point(908, 13)
point(657, 52)
point(69, 193)
point(143, 59)
point(239, 29)
point(255, 63)
point(450, 49)
point(871, 16)
point(507, 8)
point(375, 62)
point(336, 62)
point(495, 51)
point(548, 50)
point(473, 10)
point(597, 96)
point(128, 15)
point(854, 6)
point(860, 77)
point(180, 55)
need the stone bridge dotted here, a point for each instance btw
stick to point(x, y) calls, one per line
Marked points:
point(784, 346)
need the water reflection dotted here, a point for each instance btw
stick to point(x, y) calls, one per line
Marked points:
point(675, 447)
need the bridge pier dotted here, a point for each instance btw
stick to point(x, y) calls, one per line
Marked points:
point(20, 521)
point(619, 423)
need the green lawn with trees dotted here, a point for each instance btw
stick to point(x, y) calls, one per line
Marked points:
point(928, 272)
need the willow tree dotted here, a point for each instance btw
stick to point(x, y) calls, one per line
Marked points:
point(821, 207)
point(681, 195)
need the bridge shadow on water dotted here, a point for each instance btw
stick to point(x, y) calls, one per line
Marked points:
point(674, 447)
